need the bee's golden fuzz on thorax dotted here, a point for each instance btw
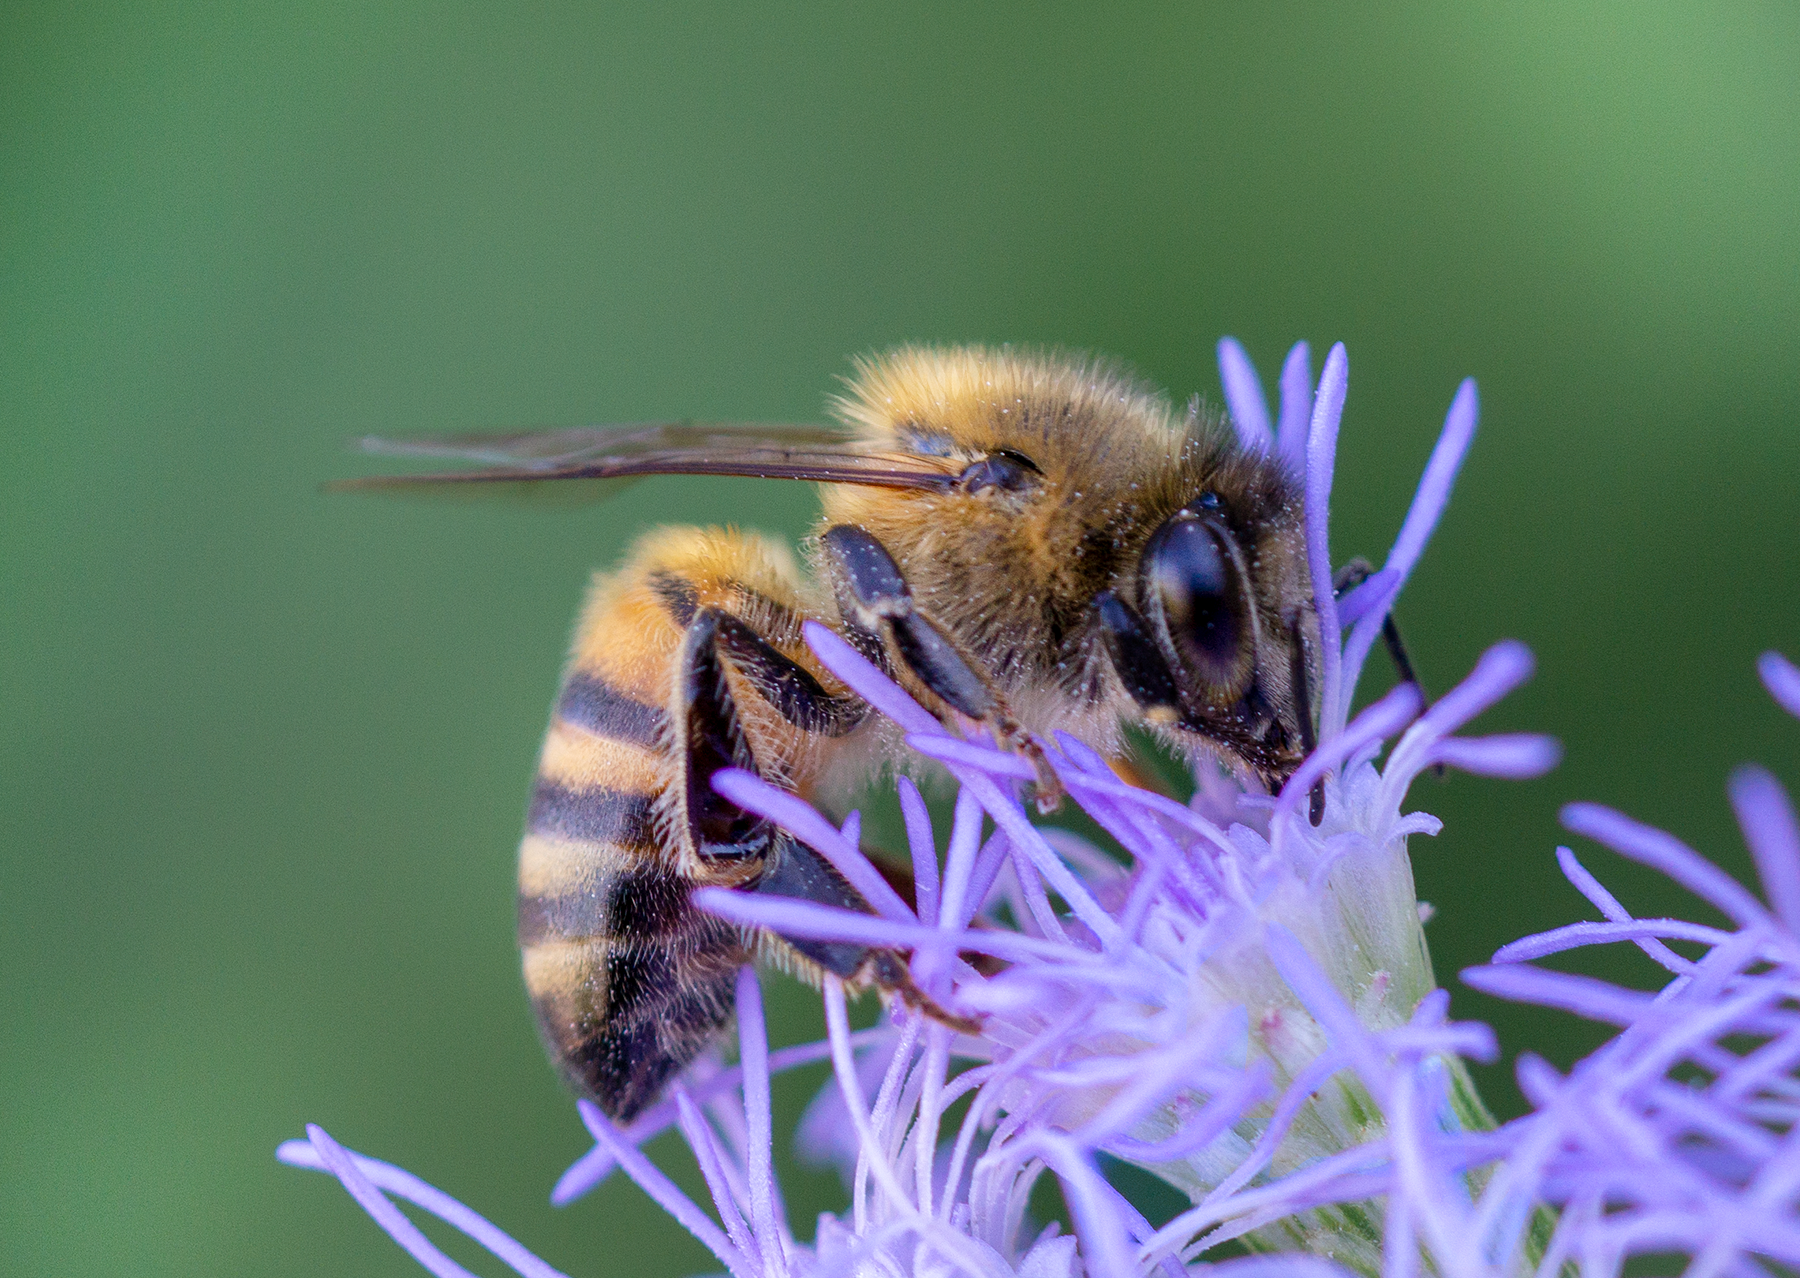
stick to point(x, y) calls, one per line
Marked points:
point(1014, 573)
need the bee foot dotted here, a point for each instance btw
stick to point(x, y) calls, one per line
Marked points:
point(1047, 790)
point(892, 973)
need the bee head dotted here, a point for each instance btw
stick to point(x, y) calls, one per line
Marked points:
point(1217, 651)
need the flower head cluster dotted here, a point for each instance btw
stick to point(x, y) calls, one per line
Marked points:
point(1682, 1134)
point(1239, 1001)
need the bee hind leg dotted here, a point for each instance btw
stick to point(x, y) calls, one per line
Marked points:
point(710, 730)
point(889, 971)
point(785, 684)
point(799, 872)
point(773, 862)
point(874, 599)
point(710, 739)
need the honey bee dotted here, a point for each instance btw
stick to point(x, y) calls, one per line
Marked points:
point(1027, 541)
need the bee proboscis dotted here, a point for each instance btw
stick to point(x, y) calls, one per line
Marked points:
point(1027, 541)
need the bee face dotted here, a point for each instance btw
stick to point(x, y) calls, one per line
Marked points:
point(1226, 610)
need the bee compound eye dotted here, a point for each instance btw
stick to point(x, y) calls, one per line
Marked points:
point(1003, 469)
point(1190, 577)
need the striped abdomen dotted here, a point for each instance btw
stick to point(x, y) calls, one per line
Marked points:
point(628, 982)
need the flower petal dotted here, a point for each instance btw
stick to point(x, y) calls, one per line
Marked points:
point(1380, 721)
point(795, 815)
point(1374, 593)
point(1244, 397)
point(923, 848)
point(1428, 503)
point(369, 1179)
point(1515, 756)
point(664, 1191)
point(1296, 406)
point(1582, 995)
point(753, 1052)
point(1663, 851)
point(789, 915)
point(1767, 819)
point(869, 683)
point(1575, 935)
point(1321, 456)
point(1782, 678)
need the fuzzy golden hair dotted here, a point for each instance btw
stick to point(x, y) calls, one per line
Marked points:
point(976, 398)
point(1014, 575)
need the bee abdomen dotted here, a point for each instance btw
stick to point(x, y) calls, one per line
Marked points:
point(591, 703)
point(628, 982)
point(641, 1012)
point(597, 815)
point(571, 892)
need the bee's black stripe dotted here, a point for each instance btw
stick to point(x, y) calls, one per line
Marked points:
point(593, 815)
point(647, 902)
point(590, 702)
point(636, 975)
point(675, 595)
point(576, 916)
point(625, 1066)
point(649, 1008)
point(643, 904)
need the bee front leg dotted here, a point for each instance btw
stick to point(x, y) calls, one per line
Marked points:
point(1348, 578)
point(1140, 666)
point(874, 599)
point(1352, 575)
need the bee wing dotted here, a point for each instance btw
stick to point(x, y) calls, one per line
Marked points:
point(601, 455)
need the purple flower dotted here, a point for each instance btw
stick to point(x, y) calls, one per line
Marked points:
point(1680, 1134)
point(1246, 1009)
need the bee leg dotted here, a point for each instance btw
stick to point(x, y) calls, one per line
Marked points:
point(1135, 658)
point(887, 968)
point(1303, 710)
point(719, 831)
point(798, 871)
point(774, 862)
point(1352, 575)
point(784, 683)
point(875, 600)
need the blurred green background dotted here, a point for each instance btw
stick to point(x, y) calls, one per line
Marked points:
point(263, 752)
